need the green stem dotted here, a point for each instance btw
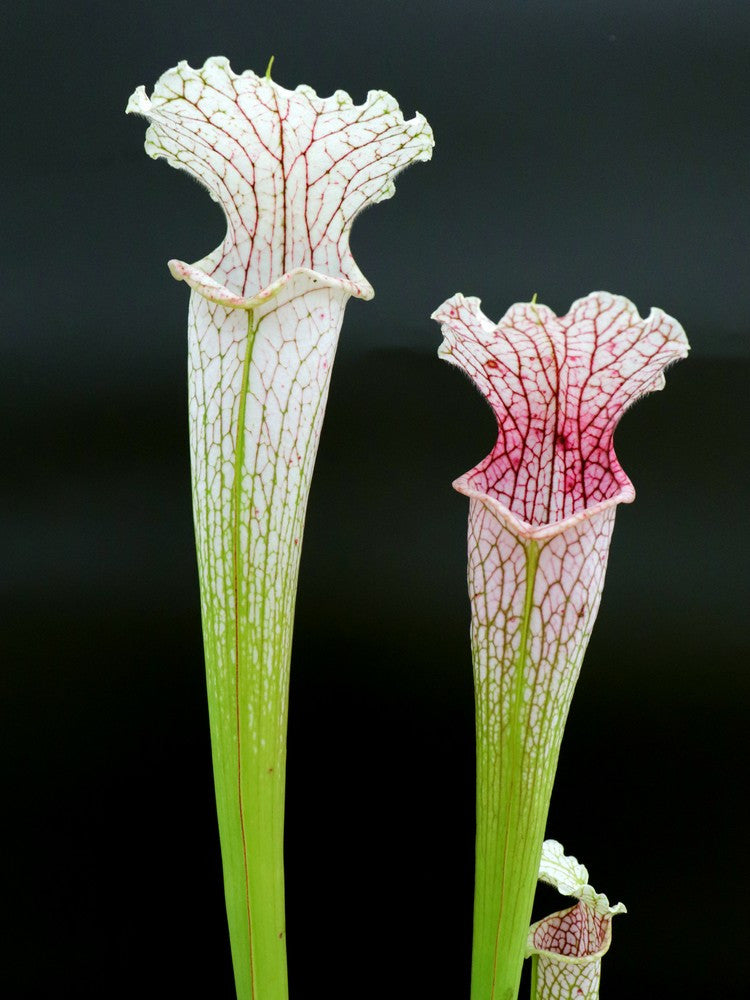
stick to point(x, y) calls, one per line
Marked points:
point(512, 805)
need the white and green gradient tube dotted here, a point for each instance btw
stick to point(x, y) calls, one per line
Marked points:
point(291, 171)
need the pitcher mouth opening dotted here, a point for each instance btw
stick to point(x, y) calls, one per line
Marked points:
point(543, 937)
point(202, 283)
point(548, 529)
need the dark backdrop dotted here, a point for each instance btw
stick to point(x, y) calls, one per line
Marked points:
point(580, 145)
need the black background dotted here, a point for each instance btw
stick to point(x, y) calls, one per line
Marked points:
point(579, 145)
